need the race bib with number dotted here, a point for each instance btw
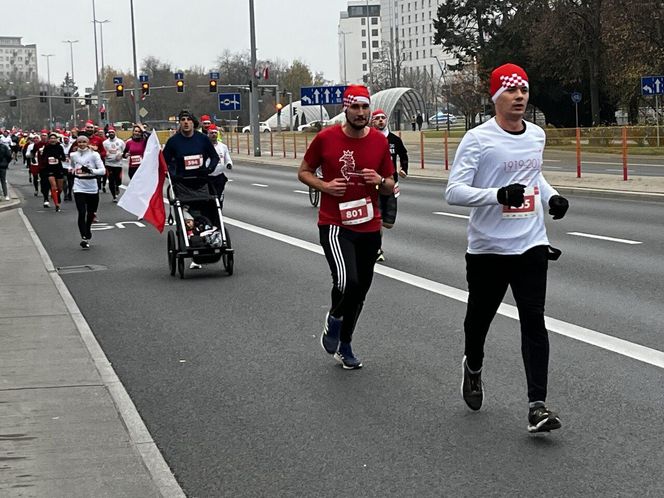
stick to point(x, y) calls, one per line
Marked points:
point(529, 208)
point(134, 160)
point(52, 160)
point(193, 162)
point(356, 212)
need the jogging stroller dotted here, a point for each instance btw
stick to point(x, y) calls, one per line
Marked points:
point(200, 233)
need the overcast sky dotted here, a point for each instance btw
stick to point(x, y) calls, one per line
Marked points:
point(182, 32)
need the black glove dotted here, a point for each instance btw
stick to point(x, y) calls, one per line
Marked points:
point(85, 169)
point(512, 195)
point(558, 206)
point(229, 166)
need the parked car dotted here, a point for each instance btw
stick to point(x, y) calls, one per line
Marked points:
point(263, 127)
point(442, 118)
point(314, 126)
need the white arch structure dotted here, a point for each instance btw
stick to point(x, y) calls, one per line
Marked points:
point(398, 103)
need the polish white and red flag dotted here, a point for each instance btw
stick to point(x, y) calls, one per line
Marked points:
point(144, 196)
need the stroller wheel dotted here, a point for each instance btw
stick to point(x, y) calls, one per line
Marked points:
point(228, 263)
point(171, 252)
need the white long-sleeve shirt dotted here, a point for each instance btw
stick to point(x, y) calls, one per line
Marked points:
point(487, 159)
point(224, 160)
point(86, 183)
point(114, 149)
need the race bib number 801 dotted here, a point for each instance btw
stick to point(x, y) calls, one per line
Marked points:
point(356, 212)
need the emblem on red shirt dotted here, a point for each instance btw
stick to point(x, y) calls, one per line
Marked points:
point(348, 161)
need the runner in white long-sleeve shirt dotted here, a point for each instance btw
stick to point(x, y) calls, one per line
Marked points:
point(497, 171)
point(87, 166)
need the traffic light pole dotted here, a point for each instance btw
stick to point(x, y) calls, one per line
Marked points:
point(253, 87)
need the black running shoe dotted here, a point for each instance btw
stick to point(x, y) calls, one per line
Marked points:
point(85, 244)
point(346, 357)
point(380, 256)
point(329, 339)
point(541, 419)
point(472, 389)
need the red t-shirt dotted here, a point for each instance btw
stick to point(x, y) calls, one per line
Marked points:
point(341, 156)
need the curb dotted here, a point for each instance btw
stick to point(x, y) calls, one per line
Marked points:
point(13, 203)
point(154, 462)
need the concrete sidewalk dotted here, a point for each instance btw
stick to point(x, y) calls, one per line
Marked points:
point(69, 428)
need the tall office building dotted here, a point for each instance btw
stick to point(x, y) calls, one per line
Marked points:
point(17, 61)
point(407, 26)
point(360, 40)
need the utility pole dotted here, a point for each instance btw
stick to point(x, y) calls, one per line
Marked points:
point(94, 27)
point(137, 117)
point(253, 86)
point(73, 100)
point(48, 82)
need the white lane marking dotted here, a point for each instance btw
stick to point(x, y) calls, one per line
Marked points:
point(301, 192)
point(261, 185)
point(553, 167)
point(592, 337)
point(620, 164)
point(604, 237)
point(619, 170)
point(138, 432)
point(452, 215)
point(553, 160)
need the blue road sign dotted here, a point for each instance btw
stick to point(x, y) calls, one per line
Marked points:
point(178, 76)
point(143, 78)
point(214, 75)
point(229, 102)
point(322, 95)
point(117, 80)
point(576, 97)
point(652, 85)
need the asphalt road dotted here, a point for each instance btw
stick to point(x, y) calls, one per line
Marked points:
point(230, 378)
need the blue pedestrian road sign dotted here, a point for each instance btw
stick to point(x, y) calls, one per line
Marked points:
point(143, 78)
point(652, 85)
point(178, 76)
point(576, 97)
point(322, 95)
point(229, 102)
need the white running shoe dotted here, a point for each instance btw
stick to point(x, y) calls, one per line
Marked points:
point(195, 266)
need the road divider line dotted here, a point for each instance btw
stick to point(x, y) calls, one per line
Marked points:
point(604, 237)
point(452, 215)
point(261, 185)
point(592, 337)
point(301, 192)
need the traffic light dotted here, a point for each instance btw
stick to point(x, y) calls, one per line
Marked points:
point(213, 86)
point(67, 98)
point(88, 99)
point(179, 84)
point(42, 97)
point(145, 89)
point(279, 107)
point(119, 90)
point(12, 101)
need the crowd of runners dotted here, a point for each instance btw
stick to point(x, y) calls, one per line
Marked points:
point(77, 164)
point(497, 172)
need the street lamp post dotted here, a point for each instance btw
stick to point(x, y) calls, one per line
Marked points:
point(48, 82)
point(73, 100)
point(101, 44)
point(253, 87)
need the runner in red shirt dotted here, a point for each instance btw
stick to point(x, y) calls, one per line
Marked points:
point(356, 165)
